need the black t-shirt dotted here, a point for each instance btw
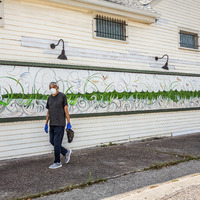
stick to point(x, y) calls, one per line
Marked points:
point(56, 105)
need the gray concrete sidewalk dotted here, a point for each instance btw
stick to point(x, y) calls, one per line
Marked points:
point(145, 185)
point(27, 176)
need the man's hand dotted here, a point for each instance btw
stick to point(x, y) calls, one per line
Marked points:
point(46, 128)
point(69, 126)
point(46, 124)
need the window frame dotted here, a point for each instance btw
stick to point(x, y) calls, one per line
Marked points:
point(1, 12)
point(109, 39)
point(189, 32)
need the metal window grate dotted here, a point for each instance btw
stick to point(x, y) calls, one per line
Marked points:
point(189, 40)
point(108, 27)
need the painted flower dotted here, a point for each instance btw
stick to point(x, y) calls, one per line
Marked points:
point(179, 79)
point(104, 77)
point(95, 81)
point(22, 76)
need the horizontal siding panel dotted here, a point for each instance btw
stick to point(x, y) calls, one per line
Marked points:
point(67, 19)
point(40, 143)
point(97, 142)
point(13, 142)
point(21, 130)
point(47, 10)
point(21, 137)
point(25, 146)
point(94, 131)
point(41, 29)
point(25, 152)
point(86, 122)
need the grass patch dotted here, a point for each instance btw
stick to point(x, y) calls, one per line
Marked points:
point(184, 156)
point(110, 144)
point(171, 163)
point(104, 145)
point(152, 138)
point(64, 189)
point(89, 181)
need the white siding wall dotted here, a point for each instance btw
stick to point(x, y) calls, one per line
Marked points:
point(41, 19)
point(21, 139)
point(49, 21)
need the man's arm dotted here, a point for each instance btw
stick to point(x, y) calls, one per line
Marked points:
point(47, 117)
point(67, 114)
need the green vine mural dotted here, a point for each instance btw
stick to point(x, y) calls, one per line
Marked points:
point(109, 96)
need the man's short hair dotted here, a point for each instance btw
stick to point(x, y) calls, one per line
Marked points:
point(54, 83)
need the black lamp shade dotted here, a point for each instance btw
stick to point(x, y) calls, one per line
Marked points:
point(166, 66)
point(62, 56)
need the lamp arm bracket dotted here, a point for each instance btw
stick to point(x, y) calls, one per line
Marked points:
point(164, 56)
point(59, 43)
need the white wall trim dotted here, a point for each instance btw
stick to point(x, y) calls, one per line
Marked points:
point(135, 14)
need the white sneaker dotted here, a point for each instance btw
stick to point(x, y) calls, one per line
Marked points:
point(67, 156)
point(55, 165)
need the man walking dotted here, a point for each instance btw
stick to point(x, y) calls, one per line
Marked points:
point(57, 113)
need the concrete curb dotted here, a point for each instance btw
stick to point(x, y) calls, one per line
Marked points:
point(162, 191)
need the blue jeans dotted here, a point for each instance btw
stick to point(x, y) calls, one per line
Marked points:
point(56, 137)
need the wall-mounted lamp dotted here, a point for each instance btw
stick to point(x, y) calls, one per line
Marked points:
point(62, 56)
point(166, 64)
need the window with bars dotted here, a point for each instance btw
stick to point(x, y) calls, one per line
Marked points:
point(189, 40)
point(112, 28)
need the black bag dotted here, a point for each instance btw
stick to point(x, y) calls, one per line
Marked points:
point(70, 135)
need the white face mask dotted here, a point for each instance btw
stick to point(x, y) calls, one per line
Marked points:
point(53, 90)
